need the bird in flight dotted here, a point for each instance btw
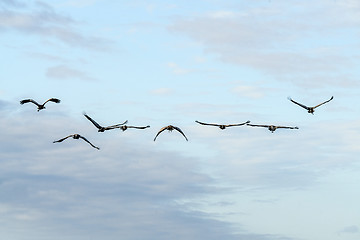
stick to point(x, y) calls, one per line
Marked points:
point(40, 106)
point(310, 109)
point(124, 127)
point(222, 126)
point(101, 128)
point(271, 128)
point(77, 136)
point(170, 128)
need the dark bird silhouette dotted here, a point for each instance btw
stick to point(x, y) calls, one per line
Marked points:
point(124, 127)
point(310, 109)
point(170, 128)
point(77, 136)
point(222, 126)
point(101, 128)
point(40, 106)
point(271, 128)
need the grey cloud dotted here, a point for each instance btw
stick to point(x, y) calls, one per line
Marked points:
point(46, 56)
point(42, 20)
point(5, 105)
point(12, 3)
point(70, 191)
point(65, 72)
point(350, 229)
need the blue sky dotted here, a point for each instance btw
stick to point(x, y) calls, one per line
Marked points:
point(173, 62)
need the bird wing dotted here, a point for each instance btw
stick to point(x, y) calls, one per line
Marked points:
point(60, 140)
point(29, 100)
point(287, 127)
point(256, 125)
point(93, 122)
point(324, 102)
point(160, 131)
point(55, 100)
point(238, 124)
point(179, 130)
point(89, 142)
point(301, 105)
point(138, 127)
point(116, 125)
point(210, 124)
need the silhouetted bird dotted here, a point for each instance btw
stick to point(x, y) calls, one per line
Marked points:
point(310, 109)
point(40, 106)
point(124, 127)
point(222, 126)
point(170, 128)
point(77, 136)
point(101, 128)
point(271, 128)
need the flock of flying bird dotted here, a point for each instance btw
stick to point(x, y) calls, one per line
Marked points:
point(170, 128)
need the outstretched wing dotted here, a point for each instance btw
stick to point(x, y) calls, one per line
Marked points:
point(116, 125)
point(137, 127)
point(160, 131)
point(93, 122)
point(60, 140)
point(29, 100)
point(209, 124)
point(238, 124)
point(179, 130)
point(55, 100)
point(287, 127)
point(301, 105)
point(89, 142)
point(324, 102)
point(256, 125)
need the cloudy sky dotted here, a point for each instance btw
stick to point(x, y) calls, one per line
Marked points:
point(173, 62)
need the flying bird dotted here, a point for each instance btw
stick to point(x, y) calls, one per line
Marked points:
point(170, 128)
point(40, 106)
point(222, 126)
point(310, 109)
point(77, 136)
point(271, 128)
point(101, 128)
point(124, 127)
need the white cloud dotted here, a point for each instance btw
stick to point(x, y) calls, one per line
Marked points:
point(177, 69)
point(249, 91)
point(294, 42)
point(162, 91)
point(223, 14)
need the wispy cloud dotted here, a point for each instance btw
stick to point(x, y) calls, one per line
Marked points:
point(249, 91)
point(12, 3)
point(79, 3)
point(350, 229)
point(270, 40)
point(65, 72)
point(42, 20)
point(177, 69)
point(162, 91)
